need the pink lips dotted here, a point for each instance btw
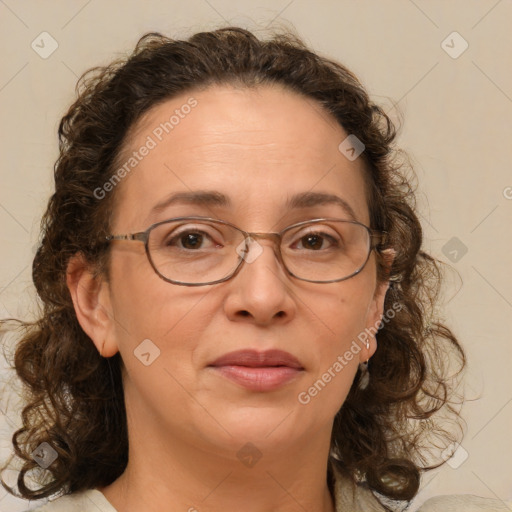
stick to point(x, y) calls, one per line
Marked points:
point(258, 371)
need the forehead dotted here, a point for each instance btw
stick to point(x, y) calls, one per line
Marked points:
point(258, 146)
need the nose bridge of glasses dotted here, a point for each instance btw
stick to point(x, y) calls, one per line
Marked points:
point(258, 237)
point(275, 239)
point(262, 236)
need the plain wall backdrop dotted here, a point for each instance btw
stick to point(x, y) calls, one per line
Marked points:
point(447, 65)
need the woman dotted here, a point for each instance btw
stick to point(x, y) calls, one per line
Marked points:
point(190, 358)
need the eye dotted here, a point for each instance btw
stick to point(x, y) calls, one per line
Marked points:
point(190, 239)
point(317, 240)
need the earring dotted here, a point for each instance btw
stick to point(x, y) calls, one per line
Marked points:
point(365, 373)
point(365, 376)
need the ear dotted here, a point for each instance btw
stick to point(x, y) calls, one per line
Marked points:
point(93, 308)
point(376, 309)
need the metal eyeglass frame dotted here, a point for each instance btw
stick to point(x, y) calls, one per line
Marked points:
point(376, 238)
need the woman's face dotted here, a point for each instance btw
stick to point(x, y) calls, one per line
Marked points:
point(259, 148)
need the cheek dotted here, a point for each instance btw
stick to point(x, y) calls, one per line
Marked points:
point(344, 312)
point(338, 345)
point(156, 330)
point(160, 328)
point(145, 307)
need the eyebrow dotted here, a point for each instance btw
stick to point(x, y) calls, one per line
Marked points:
point(213, 198)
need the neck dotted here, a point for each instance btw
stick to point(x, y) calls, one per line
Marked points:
point(187, 475)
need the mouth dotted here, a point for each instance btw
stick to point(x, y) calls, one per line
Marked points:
point(258, 371)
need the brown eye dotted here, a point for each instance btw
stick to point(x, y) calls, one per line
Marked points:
point(316, 241)
point(189, 240)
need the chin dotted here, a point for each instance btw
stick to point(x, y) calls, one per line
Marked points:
point(264, 424)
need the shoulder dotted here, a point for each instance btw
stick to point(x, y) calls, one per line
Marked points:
point(359, 498)
point(91, 500)
point(464, 503)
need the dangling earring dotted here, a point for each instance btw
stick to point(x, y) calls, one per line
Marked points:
point(365, 376)
point(365, 373)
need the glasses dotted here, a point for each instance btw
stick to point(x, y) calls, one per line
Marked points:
point(198, 251)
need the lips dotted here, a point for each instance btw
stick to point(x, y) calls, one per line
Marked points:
point(255, 359)
point(258, 371)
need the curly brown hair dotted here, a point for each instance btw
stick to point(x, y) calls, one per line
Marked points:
point(74, 397)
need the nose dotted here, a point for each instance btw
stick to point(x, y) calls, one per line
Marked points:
point(260, 292)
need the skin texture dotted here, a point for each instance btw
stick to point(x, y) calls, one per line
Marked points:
point(186, 423)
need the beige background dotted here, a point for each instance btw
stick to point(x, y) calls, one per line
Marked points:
point(457, 130)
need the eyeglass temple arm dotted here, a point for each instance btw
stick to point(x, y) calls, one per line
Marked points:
point(131, 236)
point(379, 238)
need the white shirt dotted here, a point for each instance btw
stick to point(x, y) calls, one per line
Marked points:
point(347, 499)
